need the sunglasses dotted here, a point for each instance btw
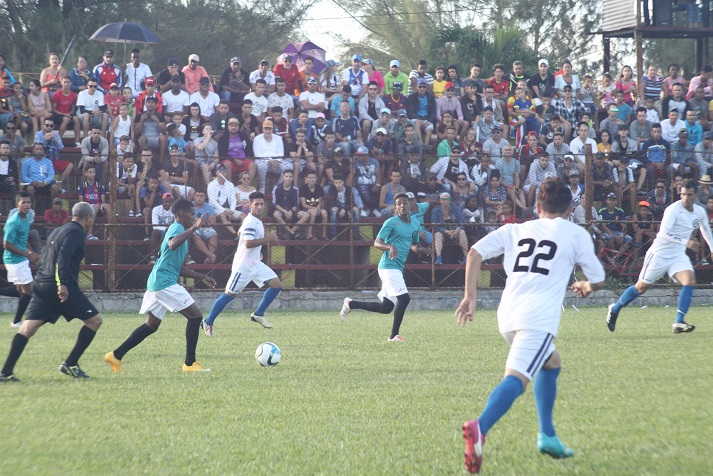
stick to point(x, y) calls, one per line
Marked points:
point(49, 125)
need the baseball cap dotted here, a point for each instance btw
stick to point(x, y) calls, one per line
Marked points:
point(261, 62)
point(644, 203)
point(108, 53)
point(57, 201)
point(421, 194)
point(402, 113)
point(319, 115)
point(568, 157)
point(205, 80)
point(149, 81)
point(401, 195)
point(167, 195)
point(611, 195)
point(357, 58)
point(235, 59)
point(574, 173)
point(332, 63)
point(172, 62)
point(410, 195)
point(422, 82)
point(311, 81)
point(612, 108)
point(397, 85)
point(361, 150)
point(368, 61)
point(543, 61)
point(444, 195)
point(267, 123)
point(450, 85)
point(394, 62)
point(194, 57)
point(683, 132)
point(385, 110)
point(381, 130)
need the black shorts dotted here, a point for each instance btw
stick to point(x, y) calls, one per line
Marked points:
point(45, 304)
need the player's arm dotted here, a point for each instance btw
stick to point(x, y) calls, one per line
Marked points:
point(10, 246)
point(176, 241)
point(190, 273)
point(248, 235)
point(64, 266)
point(591, 266)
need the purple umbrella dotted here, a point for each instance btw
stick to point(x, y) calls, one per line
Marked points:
point(301, 51)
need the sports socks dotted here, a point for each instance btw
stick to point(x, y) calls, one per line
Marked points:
point(500, 401)
point(84, 338)
point(22, 304)
point(18, 345)
point(402, 302)
point(626, 297)
point(218, 306)
point(545, 395)
point(383, 307)
point(193, 327)
point(267, 297)
point(684, 302)
point(9, 291)
point(134, 339)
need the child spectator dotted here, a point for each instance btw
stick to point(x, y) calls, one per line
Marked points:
point(127, 173)
point(93, 192)
point(312, 202)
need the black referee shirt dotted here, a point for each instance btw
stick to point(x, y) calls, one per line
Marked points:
point(62, 256)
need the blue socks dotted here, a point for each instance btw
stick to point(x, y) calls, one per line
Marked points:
point(684, 301)
point(218, 306)
point(626, 297)
point(545, 394)
point(267, 297)
point(500, 401)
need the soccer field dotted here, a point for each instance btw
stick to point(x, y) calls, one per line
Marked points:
point(344, 401)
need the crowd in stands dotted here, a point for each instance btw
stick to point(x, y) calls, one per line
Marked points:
point(336, 146)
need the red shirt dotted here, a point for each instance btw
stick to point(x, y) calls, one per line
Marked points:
point(291, 77)
point(140, 104)
point(501, 88)
point(56, 217)
point(64, 103)
point(113, 102)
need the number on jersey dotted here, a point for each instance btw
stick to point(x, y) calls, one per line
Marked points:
point(549, 248)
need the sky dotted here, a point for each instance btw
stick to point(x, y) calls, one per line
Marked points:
point(321, 32)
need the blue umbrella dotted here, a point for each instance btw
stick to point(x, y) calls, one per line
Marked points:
point(125, 32)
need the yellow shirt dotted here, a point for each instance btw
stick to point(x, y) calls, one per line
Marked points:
point(439, 87)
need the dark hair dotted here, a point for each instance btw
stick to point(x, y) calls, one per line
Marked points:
point(475, 65)
point(640, 109)
point(181, 205)
point(340, 177)
point(279, 80)
point(656, 125)
point(4, 141)
point(422, 62)
point(135, 50)
point(23, 195)
point(690, 185)
point(498, 66)
point(151, 99)
point(36, 83)
point(261, 81)
point(554, 196)
point(256, 196)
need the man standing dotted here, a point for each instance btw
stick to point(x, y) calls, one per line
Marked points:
point(136, 72)
point(356, 78)
point(163, 293)
point(395, 75)
point(107, 72)
point(668, 255)
point(248, 267)
point(206, 99)
point(56, 293)
point(193, 73)
point(18, 255)
point(395, 238)
point(529, 311)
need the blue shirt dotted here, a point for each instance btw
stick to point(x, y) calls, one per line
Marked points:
point(402, 235)
point(418, 217)
point(695, 132)
point(17, 232)
point(53, 146)
point(169, 263)
point(204, 210)
point(612, 215)
point(34, 170)
point(422, 110)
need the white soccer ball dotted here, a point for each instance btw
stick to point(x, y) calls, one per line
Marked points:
point(268, 354)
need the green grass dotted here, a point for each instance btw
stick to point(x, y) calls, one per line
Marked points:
point(343, 401)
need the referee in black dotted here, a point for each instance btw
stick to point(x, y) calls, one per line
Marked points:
point(56, 293)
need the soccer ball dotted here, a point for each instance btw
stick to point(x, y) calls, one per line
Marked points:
point(268, 354)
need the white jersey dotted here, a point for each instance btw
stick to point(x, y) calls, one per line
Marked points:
point(677, 225)
point(539, 257)
point(251, 229)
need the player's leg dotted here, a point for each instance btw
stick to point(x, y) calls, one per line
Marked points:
point(653, 268)
point(687, 279)
point(17, 346)
point(402, 302)
point(236, 282)
point(263, 274)
point(194, 316)
point(85, 337)
point(25, 291)
point(545, 396)
point(386, 301)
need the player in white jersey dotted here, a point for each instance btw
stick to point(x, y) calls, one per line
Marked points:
point(538, 257)
point(668, 255)
point(248, 266)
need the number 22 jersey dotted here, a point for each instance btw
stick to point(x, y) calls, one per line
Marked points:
point(538, 258)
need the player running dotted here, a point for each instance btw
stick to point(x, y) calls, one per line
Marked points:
point(539, 257)
point(18, 255)
point(395, 238)
point(667, 254)
point(248, 266)
point(163, 293)
point(56, 293)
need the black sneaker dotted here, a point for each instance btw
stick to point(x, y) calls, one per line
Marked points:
point(611, 318)
point(679, 327)
point(8, 378)
point(72, 370)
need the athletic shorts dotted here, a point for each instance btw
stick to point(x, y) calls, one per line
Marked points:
point(656, 264)
point(529, 350)
point(392, 284)
point(174, 298)
point(259, 274)
point(45, 304)
point(19, 273)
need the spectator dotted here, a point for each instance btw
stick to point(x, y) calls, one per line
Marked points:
point(148, 129)
point(301, 153)
point(122, 125)
point(640, 128)
point(8, 170)
point(499, 83)
point(7, 98)
point(388, 192)
point(470, 105)
point(125, 147)
point(447, 167)
point(205, 238)
point(602, 179)
point(704, 152)
point(542, 83)
point(577, 146)
point(569, 109)
point(672, 126)
point(206, 99)
point(644, 228)
point(540, 170)
point(206, 152)
point(263, 72)
point(374, 75)
point(95, 153)
point(623, 145)
point(343, 203)
point(106, 73)
point(395, 101)
point(39, 106)
point(613, 237)
point(306, 73)
point(676, 101)
point(63, 104)
point(269, 151)
point(356, 77)
point(449, 103)
point(150, 92)
point(495, 144)
point(5, 72)
point(259, 100)
point(287, 211)
point(699, 104)
point(449, 228)
point(653, 83)
point(222, 195)
point(51, 76)
point(52, 141)
point(612, 122)
point(280, 98)
point(604, 145)
point(312, 100)
point(494, 193)
point(682, 159)
point(395, 75)
point(168, 76)
point(289, 74)
point(512, 176)
point(674, 77)
point(161, 218)
point(80, 75)
point(317, 131)
point(627, 85)
point(127, 175)
point(113, 100)
point(194, 73)
point(380, 146)
point(174, 175)
point(473, 80)
point(567, 78)
point(694, 127)
point(346, 129)
point(91, 108)
point(55, 216)
point(557, 149)
point(150, 193)
point(37, 172)
point(249, 125)
point(330, 82)
point(367, 181)
point(496, 105)
point(312, 202)
point(93, 193)
point(370, 105)
point(243, 191)
point(330, 152)
point(175, 99)
point(655, 151)
point(136, 72)
point(421, 108)
point(464, 188)
point(234, 83)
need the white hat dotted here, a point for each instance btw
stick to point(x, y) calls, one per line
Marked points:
point(194, 57)
point(385, 110)
point(543, 61)
point(319, 115)
point(382, 131)
point(395, 62)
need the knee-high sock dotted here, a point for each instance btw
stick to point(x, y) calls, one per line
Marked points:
point(218, 306)
point(84, 338)
point(267, 297)
point(684, 301)
point(22, 304)
point(401, 305)
point(500, 401)
point(192, 329)
point(134, 339)
point(626, 297)
point(382, 307)
point(545, 395)
point(9, 291)
point(18, 345)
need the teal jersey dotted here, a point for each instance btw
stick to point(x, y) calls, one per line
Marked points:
point(17, 232)
point(169, 263)
point(419, 215)
point(402, 235)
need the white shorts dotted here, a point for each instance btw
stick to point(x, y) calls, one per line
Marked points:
point(392, 284)
point(259, 274)
point(656, 264)
point(529, 350)
point(19, 273)
point(174, 298)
